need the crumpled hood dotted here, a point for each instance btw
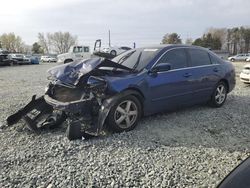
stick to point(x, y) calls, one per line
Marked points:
point(71, 73)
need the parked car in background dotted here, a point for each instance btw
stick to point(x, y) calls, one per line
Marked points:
point(116, 50)
point(4, 60)
point(248, 59)
point(19, 59)
point(26, 59)
point(245, 74)
point(48, 59)
point(75, 53)
point(33, 59)
point(142, 81)
point(239, 57)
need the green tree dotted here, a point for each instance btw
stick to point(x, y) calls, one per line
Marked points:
point(208, 41)
point(245, 39)
point(198, 42)
point(36, 48)
point(172, 38)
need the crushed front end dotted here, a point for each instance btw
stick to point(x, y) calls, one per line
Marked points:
point(78, 94)
point(82, 105)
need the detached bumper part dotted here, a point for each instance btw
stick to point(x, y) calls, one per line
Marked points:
point(81, 122)
point(37, 114)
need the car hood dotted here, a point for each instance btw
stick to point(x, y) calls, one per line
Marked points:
point(71, 73)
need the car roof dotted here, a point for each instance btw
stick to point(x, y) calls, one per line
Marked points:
point(169, 46)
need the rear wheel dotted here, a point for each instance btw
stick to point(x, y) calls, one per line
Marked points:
point(219, 95)
point(125, 114)
point(232, 59)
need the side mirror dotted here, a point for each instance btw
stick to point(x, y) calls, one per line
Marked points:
point(161, 68)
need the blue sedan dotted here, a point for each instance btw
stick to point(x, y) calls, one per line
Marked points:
point(117, 93)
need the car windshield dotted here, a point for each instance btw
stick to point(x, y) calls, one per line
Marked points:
point(136, 59)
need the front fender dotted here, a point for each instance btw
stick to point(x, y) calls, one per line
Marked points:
point(109, 103)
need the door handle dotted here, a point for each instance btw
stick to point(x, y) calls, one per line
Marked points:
point(187, 75)
point(216, 69)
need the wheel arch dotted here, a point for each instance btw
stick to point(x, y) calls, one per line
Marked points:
point(136, 93)
point(226, 82)
point(68, 59)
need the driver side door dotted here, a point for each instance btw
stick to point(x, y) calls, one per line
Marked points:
point(172, 88)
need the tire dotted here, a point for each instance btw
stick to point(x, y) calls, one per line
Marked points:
point(119, 119)
point(232, 59)
point(218, 99)
point(68, 61)
point(113, 52)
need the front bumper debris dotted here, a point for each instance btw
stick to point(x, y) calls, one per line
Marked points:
point(37, 114)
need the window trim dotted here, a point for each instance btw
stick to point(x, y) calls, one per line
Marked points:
point(218, 60)
point(188, 58)
point(176, 48)
point(188, 51)
point(188, 68)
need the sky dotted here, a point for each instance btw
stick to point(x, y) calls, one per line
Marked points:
point(141, 21)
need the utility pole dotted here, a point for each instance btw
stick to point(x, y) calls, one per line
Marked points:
point(109, 39)
point(134, 45)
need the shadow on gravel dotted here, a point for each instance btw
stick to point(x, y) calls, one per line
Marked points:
point(226, 128)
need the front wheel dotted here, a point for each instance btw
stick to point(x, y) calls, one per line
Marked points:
point(125, 114)
point(219, 95)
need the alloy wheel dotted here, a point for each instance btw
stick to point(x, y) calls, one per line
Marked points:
point(220, 94)
point(126, 114)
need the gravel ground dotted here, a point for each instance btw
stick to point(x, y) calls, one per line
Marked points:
point(193, 147)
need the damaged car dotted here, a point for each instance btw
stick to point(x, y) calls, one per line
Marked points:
point(96, 94)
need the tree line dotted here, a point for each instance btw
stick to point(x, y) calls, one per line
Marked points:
point(234, 40)
point(58, 42)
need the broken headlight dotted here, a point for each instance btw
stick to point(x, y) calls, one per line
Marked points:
point(97, 85)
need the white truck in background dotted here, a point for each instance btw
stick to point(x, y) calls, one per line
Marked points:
point(75, 52)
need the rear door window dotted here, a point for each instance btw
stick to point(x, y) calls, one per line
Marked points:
point(214, 59)
point(199, 57)
point(177, 58)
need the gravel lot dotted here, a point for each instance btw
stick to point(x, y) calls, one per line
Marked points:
point(193, 147)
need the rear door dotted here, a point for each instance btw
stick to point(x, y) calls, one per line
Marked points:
point(205, 74)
